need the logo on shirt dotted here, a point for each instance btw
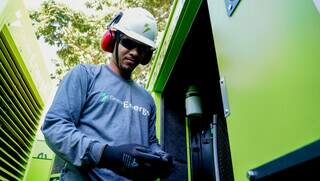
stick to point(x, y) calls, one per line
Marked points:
point(104, 96)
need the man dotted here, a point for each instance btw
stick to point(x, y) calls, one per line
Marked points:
point(101, 122)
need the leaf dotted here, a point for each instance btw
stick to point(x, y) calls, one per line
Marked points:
point(77, 35)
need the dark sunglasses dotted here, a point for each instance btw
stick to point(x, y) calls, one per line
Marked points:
point(131, 44)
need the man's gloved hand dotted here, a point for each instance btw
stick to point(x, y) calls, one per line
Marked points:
point(163, 168)
point(131, 160)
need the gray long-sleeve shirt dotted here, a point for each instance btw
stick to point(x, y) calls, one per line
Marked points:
point(93, 107)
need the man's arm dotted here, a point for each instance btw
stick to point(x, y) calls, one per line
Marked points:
point(59, 128)
point(153, 141)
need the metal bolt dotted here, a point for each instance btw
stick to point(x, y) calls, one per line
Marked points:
point(252, 174)
point(230, 7)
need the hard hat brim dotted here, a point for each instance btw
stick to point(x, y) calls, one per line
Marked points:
point(136, 36)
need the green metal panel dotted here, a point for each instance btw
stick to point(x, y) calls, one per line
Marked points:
point(25, 86)
point(17, 128)
point(188, 148)
point(157, 100)
point(268, 52)
point(15, 25)
point(41, 162)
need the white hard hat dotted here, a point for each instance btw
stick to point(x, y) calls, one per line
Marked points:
point(139, 24)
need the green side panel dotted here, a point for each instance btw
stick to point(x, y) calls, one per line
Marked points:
point(20, 112)
point(16, 26)
point(188, 148)
point(41, 163)
point(178, 26)
point(157, 100)
point(268, 53)
point(25, 87)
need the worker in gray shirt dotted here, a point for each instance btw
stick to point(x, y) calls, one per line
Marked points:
point(101, 122)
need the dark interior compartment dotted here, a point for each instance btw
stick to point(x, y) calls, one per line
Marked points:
point(196, 65)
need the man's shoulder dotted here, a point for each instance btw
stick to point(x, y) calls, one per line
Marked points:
point(90, 69)
point(140, 88)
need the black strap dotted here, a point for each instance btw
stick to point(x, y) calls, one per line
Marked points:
point(116, 47)
point(115, 19)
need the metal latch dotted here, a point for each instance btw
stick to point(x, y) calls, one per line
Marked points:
point(225, 101)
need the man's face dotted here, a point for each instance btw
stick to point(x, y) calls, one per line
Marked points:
point(131, 53)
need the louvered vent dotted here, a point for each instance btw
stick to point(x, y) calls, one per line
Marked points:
point(19, 114)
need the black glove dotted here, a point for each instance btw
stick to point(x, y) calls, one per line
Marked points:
point(131, 160)
point(165, 167)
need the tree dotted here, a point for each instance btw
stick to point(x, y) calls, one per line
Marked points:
point(77, 35)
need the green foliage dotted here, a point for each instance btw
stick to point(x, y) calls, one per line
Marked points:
point(77, 35)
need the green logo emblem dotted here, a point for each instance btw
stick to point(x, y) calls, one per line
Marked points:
point(104, 96)
point(146, 27)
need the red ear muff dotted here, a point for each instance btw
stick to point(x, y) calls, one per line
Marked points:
point(107, 42)
point(108, 39)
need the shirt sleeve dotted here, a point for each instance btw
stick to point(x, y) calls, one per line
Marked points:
point(152, 126)
point(60, 125)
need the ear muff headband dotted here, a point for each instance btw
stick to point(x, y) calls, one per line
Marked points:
point(108, 39)
point(117, 40)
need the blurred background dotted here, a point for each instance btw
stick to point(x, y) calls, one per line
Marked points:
point(69, 32)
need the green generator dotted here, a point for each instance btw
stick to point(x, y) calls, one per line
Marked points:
point(237, 88)
point(25, 90)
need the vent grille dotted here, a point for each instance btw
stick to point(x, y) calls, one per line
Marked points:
point(20, 113)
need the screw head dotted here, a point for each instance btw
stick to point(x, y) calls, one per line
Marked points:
point(227, 111)
point(251, 174)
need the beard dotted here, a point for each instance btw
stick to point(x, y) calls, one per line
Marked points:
point(127, 66)
point(126, 70)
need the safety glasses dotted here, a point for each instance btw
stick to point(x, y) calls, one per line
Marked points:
point(131, 44)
